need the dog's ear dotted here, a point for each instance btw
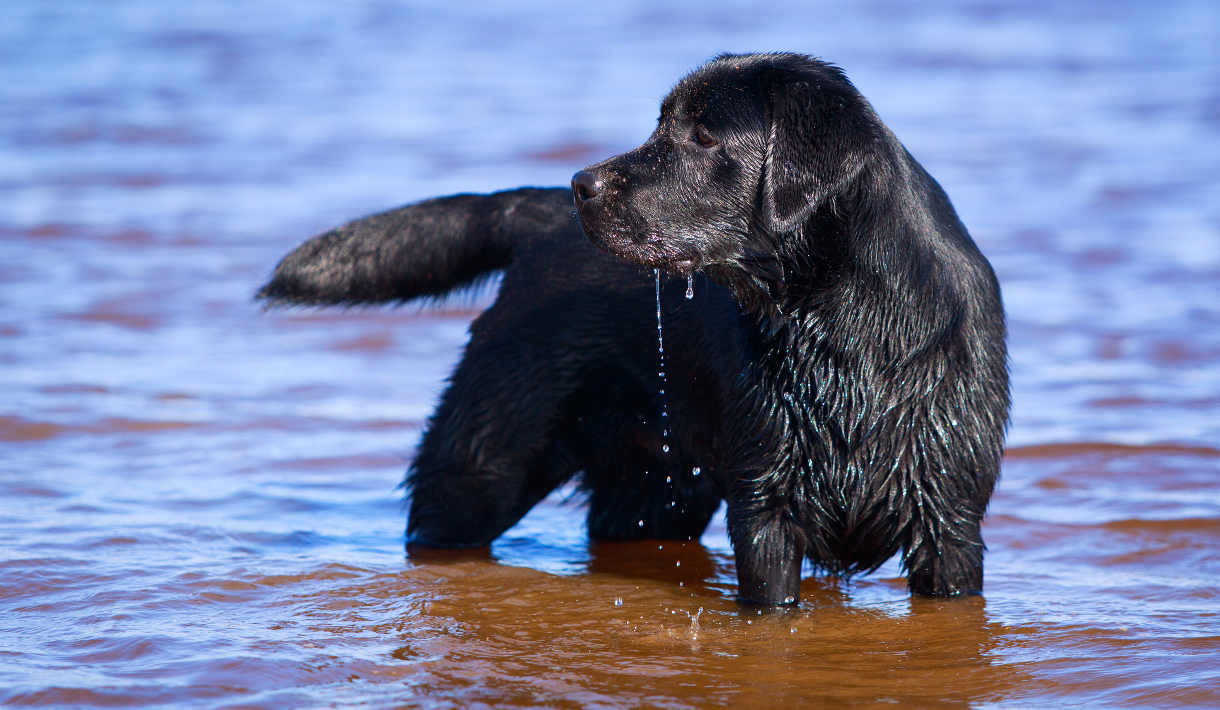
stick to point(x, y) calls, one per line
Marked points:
point(820, 130)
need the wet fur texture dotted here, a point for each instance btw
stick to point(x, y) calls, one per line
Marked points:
point(840, 377)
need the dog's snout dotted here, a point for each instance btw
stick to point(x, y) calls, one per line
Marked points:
point(586, 185)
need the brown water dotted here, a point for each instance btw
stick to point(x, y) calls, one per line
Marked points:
point(198, 499)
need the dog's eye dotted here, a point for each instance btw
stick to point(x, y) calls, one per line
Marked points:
point(703, 138)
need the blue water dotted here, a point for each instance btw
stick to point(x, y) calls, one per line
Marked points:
point(186, 480)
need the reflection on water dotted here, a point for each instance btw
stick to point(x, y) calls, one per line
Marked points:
point(198, 499)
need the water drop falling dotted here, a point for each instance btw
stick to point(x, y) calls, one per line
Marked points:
point(690, 286)
point(656, 274)
point(640, 524)
point(696, 471)
point(618, 601)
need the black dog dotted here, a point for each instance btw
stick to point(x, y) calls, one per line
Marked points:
point(839, 378)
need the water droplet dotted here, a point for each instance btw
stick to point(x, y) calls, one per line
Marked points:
point(656, 273)
point(690, 286)
point(696, 471)
point(792, 630)
point(678, 563)
point(789, 599)
point(640, 524)
point(669, 479)
point(618, 601)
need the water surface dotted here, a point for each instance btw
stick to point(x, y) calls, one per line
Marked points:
point(198, 499)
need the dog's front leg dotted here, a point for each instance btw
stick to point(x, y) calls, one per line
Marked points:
point(768, 547)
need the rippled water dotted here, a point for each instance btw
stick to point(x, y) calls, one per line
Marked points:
point(198, 499)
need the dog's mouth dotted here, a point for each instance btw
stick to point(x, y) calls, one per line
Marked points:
point(683, 266)
point(651, 250)
point(634, 241)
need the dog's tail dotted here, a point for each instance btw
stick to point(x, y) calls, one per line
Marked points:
point(426, 249)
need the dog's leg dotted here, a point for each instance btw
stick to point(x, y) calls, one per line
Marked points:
point(943, 561)
point(455, 505)
point(492, 448)
point(466, 486)
point(768, 548)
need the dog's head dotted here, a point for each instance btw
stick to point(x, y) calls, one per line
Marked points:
point(746, 151)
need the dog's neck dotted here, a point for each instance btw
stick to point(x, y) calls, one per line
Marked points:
point(786, 278)
point(834, 288)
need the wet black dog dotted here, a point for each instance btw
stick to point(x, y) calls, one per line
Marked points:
point(839, 377)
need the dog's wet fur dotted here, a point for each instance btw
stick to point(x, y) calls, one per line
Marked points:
point(840, 377)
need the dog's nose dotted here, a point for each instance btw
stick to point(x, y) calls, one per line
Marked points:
point(586, 186)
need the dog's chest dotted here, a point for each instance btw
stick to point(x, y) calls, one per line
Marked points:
point(805, 408)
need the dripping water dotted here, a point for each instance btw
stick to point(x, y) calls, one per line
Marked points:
point(669, 481)
point(656, 273)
